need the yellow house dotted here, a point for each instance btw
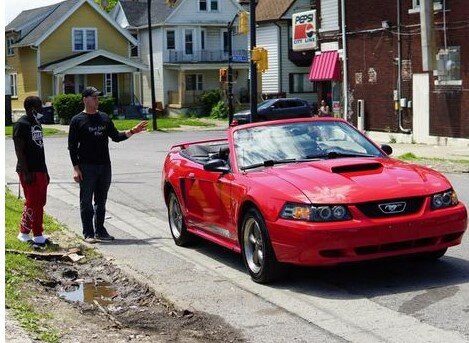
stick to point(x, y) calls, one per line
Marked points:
point(65, 47)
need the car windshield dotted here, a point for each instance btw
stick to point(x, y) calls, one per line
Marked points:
point(265, 104)
point(268, 145)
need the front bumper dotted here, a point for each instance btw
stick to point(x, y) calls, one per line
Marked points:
point(363, 238)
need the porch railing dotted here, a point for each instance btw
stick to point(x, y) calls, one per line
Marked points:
point(189, 98)
point(181, 56)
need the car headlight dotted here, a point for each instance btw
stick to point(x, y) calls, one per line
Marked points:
point(443, 200)
point(316, 213)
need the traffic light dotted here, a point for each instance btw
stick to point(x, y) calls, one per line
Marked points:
point(243, 25)
point(223, 74)
point(260, 56)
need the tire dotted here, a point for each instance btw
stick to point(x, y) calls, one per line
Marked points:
point(176, 222)
point(256, 249)
point(434, 255)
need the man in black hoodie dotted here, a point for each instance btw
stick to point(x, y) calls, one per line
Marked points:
point(89, 152)
point(32, 171)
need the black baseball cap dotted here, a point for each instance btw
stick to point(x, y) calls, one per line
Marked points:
point(91, 91)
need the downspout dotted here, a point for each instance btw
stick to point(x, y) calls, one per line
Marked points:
point(344, 58)
point(399, 67)
point(280, 57)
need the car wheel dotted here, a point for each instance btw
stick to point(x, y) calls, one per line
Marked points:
point(257, 251)
point(176, 222)
point(434, 255)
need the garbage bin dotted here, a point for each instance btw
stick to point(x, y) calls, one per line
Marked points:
point(47, 115)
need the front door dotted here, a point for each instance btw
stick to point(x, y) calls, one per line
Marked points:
point(74, 83)
point(188, 44)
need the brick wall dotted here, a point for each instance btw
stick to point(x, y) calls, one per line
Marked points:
point(372, 53)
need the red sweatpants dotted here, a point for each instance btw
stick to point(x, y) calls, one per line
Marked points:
point(35, 199)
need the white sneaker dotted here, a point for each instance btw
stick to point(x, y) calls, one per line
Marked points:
point(40, 239)
point(23, 237)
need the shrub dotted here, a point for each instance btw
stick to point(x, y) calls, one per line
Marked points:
point(220, 110)
point(106, 104)
point(67, 105)
point(209, 99)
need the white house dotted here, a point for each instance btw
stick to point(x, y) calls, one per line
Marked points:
point(288, 73)
point(190, 46)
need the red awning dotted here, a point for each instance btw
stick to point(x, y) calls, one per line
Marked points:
point(325, 67)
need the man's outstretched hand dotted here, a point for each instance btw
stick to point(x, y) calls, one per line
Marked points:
point(140, 127)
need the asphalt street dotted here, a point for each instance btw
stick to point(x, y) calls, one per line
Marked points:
point(386, 301)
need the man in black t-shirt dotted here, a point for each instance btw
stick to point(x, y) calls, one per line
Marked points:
point(32, 171)
point(88, 145)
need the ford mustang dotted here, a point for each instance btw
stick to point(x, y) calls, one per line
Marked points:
point(311, 191)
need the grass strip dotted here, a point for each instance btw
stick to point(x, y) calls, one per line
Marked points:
point(47, 131)
point(412, 157)
point(21, 270)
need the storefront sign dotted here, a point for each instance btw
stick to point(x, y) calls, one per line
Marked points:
point(304, 31)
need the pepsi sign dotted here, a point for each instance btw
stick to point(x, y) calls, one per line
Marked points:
point(304, 31)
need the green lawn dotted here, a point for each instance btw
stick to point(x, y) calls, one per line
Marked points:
point(47, 131)
point(161, 123)
point(19, 270)
point(411, 157)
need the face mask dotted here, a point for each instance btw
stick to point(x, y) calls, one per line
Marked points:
point(37, 115)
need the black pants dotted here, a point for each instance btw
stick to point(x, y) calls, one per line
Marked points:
point(95, 185)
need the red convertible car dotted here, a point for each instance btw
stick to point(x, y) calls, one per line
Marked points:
point(310, 191)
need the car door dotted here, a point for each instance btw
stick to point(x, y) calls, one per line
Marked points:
point(207, 199)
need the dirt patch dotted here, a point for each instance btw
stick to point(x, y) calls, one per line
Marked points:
point(126, 311)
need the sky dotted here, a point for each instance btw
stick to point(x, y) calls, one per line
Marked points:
point(14, 7)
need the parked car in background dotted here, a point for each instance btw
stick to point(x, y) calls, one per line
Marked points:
point(273, 109)
point(310, 191)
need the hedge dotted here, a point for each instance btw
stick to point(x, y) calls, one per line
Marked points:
point(67, 105)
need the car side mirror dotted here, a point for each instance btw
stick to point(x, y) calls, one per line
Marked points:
point(217, 165)
point(387, 149)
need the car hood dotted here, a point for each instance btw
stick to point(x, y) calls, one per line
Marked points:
point(354, 180)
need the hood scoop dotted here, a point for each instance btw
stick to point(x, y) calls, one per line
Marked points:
point(356, 167)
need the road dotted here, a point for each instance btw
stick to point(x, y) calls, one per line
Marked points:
point(392, 301)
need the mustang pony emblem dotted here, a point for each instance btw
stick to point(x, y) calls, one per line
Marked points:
point(392, 207)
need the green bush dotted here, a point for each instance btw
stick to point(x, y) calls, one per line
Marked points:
point(67, 105)
point(209, 99)
point(106, 104)
point(219, 111)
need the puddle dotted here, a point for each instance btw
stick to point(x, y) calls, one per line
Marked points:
point(87, 292)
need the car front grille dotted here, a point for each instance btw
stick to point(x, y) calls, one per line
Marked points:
point(391, 208)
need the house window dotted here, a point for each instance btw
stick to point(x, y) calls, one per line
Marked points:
point(13, 86)
point(225, 41)
point(299, 83)
point(108, 84)
point(170, 40)
point(10, 50)
point(194, 82)
point(449, 64)
point(134, 48)
point(84, 39)
point(202, 5)
point(214, 5)
point(437, 5)
point(202, 40)
point(189, 42)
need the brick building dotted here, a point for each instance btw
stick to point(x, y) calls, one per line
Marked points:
point(425, 106)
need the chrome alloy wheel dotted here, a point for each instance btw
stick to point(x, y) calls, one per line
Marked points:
point(253, 245)
point(175, 217)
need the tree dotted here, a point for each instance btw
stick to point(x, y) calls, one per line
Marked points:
point(106, 5)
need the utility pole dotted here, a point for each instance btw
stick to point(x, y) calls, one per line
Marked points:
point(253, 80)
point(230, 71)
point(152, 73)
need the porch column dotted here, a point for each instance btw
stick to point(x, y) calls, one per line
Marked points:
point(182, 87)
point(58, 83)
